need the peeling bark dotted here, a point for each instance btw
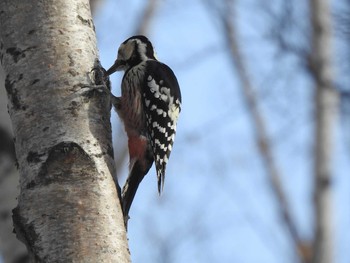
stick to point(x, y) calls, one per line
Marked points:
point(68, 207)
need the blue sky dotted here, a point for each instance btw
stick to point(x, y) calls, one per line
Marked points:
point(217, 204)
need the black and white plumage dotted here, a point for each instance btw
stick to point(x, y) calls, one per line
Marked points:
point(149, 106)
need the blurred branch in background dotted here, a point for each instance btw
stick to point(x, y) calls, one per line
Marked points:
point(289, 37)
point(326, 105)
point(341, 20)
point(226, 15)
point(95, 5)
point(147, 17)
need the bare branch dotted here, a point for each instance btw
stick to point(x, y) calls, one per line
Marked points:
point(261, 136)
point(283, 23)
point(326, 99)
point(95, 5)
point(147, 16)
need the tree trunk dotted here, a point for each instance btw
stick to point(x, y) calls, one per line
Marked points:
point(326, 110)
point(68, 207)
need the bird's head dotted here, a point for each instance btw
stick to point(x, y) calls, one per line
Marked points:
point(131, 52)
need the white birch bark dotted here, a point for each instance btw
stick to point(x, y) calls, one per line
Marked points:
point(326, 100)
point(68, 207)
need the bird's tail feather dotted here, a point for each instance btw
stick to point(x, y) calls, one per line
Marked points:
point(137, 170)
point(161, 178)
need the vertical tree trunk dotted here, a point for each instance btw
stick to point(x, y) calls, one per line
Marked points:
point(326, 108)
point(68, 206)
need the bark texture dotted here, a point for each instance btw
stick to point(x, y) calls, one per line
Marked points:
point(68, 206)
point(326, 99)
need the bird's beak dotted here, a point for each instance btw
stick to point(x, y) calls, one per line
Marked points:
point(118, 65)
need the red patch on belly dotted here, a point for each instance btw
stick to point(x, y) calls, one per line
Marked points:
point(137, 147)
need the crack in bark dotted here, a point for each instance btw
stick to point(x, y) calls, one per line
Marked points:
point(13, 93)
point(34, 157)
point(72, 156)
point(86, 22)
point(17, 54)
